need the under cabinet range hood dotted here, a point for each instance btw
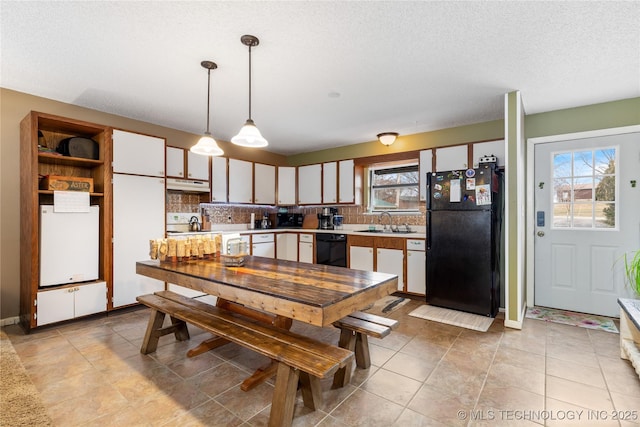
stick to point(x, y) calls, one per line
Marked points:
point(188, 185)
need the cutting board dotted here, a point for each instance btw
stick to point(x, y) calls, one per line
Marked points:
point(310, 221)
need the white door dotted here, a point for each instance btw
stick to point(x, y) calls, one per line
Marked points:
point(138, 216)
point(586, 218)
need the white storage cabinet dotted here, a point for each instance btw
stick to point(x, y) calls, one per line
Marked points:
point(264, 184)
point(263, 244)
point(416, 266)
point(305, 247)
point(286, 185)
point(70, 302)
point(240, 181)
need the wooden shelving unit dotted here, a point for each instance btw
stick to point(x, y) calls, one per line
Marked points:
point(34, 165)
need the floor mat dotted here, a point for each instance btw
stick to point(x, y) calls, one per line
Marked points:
point(453, 317)
point(386, 305)
point(572, 318)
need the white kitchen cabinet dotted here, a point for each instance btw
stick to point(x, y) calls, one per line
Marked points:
point(56, 305)
point(264, 184)
point(391, 261)
point(138, 154)
point(416, 266)
point(263, 244)
point(287, 246)
point(489, 148)
point(361, 258)
point(346, 181)
point(286, 185)
point(175, 162)
point(310, 184)
point(197, 166)
point(305, 247)
point(425, 167)
point(240, 181)
point(330, 183)
point(452, 158)
point(219, 178)
point(138, 216)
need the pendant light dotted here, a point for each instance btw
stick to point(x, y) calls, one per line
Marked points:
point(207, 146)
point(249, 135)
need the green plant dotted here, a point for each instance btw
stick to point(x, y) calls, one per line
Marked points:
point(632, 270)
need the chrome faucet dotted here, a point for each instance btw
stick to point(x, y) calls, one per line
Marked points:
point(384, 226)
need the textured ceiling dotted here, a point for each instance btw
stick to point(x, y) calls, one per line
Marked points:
point(325, 74)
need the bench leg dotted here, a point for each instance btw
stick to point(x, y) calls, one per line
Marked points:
point(363, 359)
point(342, 377)
point(284, 396)
point(155, 331)
point(311, 391)
point(151, 336)
point(259, 376)
point(181, 332)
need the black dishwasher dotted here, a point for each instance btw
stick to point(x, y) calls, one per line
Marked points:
point(331, 249)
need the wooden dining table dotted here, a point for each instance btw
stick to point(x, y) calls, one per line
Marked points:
point(310, 293)
point(275, 291)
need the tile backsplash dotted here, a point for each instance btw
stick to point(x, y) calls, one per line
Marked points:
point(220, 213)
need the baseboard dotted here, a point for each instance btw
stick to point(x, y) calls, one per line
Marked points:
point(10, 321)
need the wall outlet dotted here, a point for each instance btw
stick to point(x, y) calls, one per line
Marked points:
point(229, 219)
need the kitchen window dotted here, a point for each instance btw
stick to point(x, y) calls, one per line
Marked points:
point(394, 187)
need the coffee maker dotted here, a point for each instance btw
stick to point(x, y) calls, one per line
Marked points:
point(325, 219)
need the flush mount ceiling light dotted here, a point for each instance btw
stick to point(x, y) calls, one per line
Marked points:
point(249, 135)
point(207, 146)
point(387, 138)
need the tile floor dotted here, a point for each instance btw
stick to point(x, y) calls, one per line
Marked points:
point(91, 373)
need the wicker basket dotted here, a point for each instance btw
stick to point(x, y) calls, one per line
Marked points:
point(232, 260)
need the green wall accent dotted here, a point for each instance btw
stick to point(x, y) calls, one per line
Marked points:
point(439, 138)
point(625, 112)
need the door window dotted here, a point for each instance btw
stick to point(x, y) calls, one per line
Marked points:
point(585, 186)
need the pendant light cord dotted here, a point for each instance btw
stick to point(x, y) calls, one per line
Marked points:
point(249, 82)
point(208, 96)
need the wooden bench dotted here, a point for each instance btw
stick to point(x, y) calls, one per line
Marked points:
point(300, 360)
point(354, 330)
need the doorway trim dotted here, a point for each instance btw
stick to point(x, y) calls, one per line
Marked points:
point(530, 219)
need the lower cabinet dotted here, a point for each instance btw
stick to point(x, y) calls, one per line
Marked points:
point(391, 261)
point(305, 248)
point(416, 267)
point(361, 258)
point(287, 246)
point(263, 244)
point(56, 305)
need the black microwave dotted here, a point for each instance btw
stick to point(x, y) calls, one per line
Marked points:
point(288, 220)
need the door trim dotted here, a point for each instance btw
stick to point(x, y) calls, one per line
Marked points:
point(530, 214)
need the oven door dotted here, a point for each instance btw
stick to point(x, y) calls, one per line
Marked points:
point(331, 249)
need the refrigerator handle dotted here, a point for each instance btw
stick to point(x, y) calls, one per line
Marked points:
point(428, 230)
point(428, 191)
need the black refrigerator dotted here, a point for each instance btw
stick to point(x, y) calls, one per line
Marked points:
point(464, 223)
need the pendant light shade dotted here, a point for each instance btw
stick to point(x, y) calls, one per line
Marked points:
point(249, 135)
point(207, 146)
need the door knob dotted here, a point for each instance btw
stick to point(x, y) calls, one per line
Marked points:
point(540, 233)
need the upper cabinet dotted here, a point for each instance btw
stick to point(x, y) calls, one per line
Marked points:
point(219, 178)
point(286, 185)
point(182, 163)
point(346, 182)
point(128, 150)
point(175, 162)
point(310, 184)
point(490, 148)
point(330, 183)
point(451, 158)
point(197, 166)
point(240, 181)
point(264, 184)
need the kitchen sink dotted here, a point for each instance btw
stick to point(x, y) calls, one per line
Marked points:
point(386, 231)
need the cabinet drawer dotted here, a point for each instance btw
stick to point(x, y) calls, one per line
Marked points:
point(262, 238)
point(390, 242)
point(308, 238)
point(415, 245)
